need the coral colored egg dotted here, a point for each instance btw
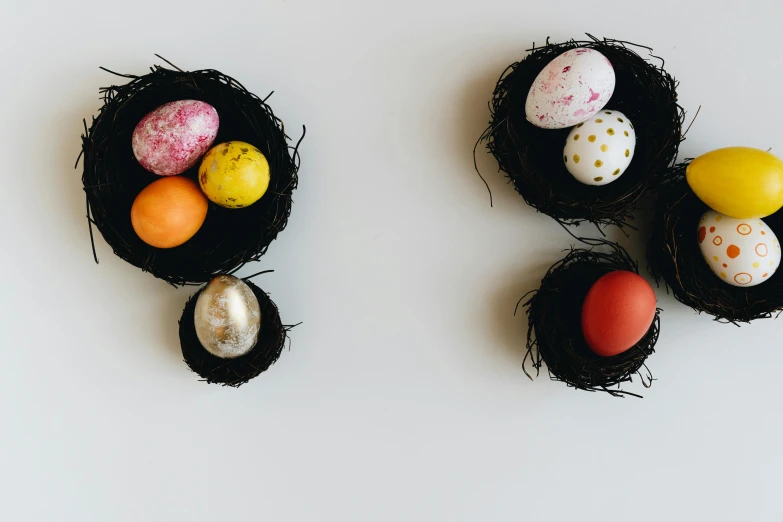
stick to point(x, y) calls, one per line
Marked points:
point(740, 252)
point(740, 182)
point(234, 174)
point(617, 312)
point(168, 212)
point(173, 137)
point(571, 89)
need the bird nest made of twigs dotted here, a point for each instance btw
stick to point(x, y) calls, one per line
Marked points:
point(532, 157)
point(113, 177)
point(237, 371)
point(555, 330)
point(675, 258)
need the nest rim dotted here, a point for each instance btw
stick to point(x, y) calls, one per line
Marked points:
point(675, 261)
point(531, 158)
point(554, 335)
point(112, 178)
point(239, 370)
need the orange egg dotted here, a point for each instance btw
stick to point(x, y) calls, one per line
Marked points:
point(169, 211)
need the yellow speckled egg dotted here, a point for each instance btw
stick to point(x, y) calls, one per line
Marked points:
point(739, 182)
point(234, 174)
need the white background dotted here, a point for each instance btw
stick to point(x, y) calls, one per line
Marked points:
point(402, 396)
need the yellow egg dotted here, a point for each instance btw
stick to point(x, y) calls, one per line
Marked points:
point(740, 182)
point(234, 174)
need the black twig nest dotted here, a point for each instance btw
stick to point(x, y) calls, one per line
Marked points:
point(675, 258)
point(234, 372)
point(113, 178)
point(532, 157)
point(555, 335)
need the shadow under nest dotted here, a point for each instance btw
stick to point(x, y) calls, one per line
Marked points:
point(531, 157)
point(555, 336)
point(113, 178)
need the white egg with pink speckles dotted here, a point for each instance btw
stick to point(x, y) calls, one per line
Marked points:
point(172, 138)
point(571, 89)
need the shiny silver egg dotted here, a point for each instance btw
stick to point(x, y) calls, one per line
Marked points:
point(227, 317)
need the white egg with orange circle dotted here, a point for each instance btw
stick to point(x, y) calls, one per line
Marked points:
point(741, 252)
point(600, 149)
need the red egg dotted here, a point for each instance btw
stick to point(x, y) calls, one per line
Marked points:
point(617, 312)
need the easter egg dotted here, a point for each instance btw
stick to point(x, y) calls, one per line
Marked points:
point(227, 317)
point(740, 182)
point(617, 312)
point(168, 212)
point(741, 252)
point(234, 174)
point(570, 89)
point(599, 150)
point(173, 137)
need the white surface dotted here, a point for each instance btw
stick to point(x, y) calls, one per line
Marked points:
point(402, 397)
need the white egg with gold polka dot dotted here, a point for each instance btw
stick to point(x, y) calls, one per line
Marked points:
point(741, 252)
point(599, 150)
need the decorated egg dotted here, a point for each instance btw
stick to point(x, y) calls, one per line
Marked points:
point(173, 137)
point(741, 252)
point(617, 312)
point(740, 182)
point(599, 150)
point(570, 89)
point(234, 174)
point(168, 212)
point(227, 317)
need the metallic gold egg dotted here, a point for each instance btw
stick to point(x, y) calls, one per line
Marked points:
point(227, 317)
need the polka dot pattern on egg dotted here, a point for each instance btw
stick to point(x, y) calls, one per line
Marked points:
point(604, 145)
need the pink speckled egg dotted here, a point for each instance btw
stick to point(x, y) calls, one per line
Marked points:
point(173, 137)
point(571, 89)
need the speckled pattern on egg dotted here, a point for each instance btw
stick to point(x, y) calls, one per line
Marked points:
point(570, 89)
point(172, 138)
point(599, 150)
point(741, 252)
point(234, 174)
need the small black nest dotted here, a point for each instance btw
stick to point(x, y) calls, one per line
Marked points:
point(113, 178)
point(234, 372)
point(555, 335)
point(675, 258)
point(531, 157)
